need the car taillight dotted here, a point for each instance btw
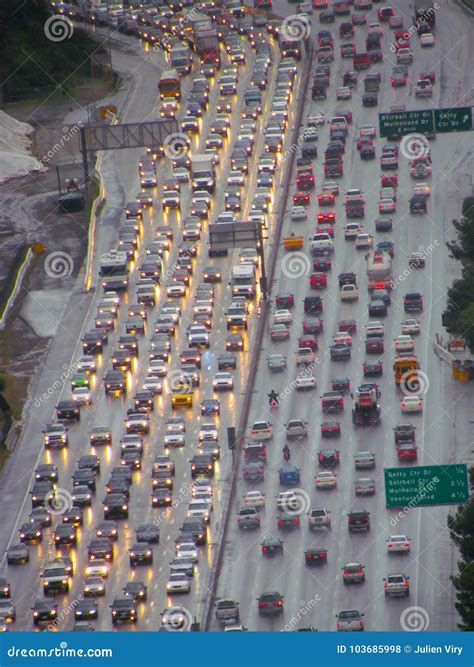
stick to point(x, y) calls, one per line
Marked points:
point(261, 605)
point(296, 520)
point(360, 571)
point(390, 546)
point(277, 603)
point(264, 548)
point(280, 522)
point(405, 583)
point(366, 519)
point(337, 626)
point(385, 585)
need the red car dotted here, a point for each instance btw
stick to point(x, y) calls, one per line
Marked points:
point(330, 429)
point(308, 340)
point(364, 141)
point(317, 280)
point(389, 181)
point(431, 76)
point(301, 198)
point(322, 264)
point(328, 216)
point(325, 230)
point(350, 326)
point(326, 199)
point(342, 384)
point(407, 451)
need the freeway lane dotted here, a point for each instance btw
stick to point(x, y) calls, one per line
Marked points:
point(314, 596)
point(25, 581)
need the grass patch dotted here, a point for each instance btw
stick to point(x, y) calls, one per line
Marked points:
point(10, 280)
point(4, 454)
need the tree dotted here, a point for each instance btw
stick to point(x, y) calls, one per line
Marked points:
point(461, 528)
point(466, 325)
point(464, 585)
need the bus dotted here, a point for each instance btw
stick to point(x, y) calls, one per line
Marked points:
point(169, 84)
point(405, 369)
point(243, 280)
point(114, 270)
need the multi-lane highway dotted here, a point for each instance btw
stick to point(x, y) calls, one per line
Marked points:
point(314, 595)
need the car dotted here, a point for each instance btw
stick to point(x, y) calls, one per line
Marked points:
point(270, 603)
point(44, 611)
point(372, 368)
point(344, 93)
point(364, 241)
point(305, 380)
point(325, 480)
point(226, 360)
point(261, 430)
point(398, 544)
point(410, 327)
point(178, 583)
point(416, 260)
point(140, 553)
point(404, 343)
point(271, 546)
point(359, 519)
point(387, 206)
point(124, 609)
point(364, 460)
point(350, 620)
point(296, 428)
point(411, 404)
point(147, 533)
point(396, 585)
point(137, 590)
point(248, 517)
point(353, 573)
point(377, 308)
point(210, 407)
point(298, 214)
point(223, 381)
point(55, 435)
point(427, 39)
point(364, 486)
point(279, 333)
point(18, 554)
point(254, 499)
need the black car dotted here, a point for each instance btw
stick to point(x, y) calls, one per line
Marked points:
point(115, 381)
point(100, 547)
point(129, 341)
point(18, 554)
point(309, 150)
point(46, 472)
point(137, 590)
point(107, 529)
point(31, 533)
point(359, 520)
point(68, 411)
point(44, 611)
point(377, 308)
point(41, 516)
point(89, 462)
point(328, 16)
point(271, 546)
point(84, 477)
point(65, 533)
point(312, 304)
point(143, 401)
point(202, 464)
point(141, 554)
point(328, 458)
point(383, 225)
point(161, 497)
point(73, 517)
point(367, 153)
point(124, 609)
point(5, 590)
point(349, 79)
point(161, 479)
point(316, 556)
point(197, 528)
point(86, 608)
point(286, 520)
point(370, 100)
point(418, 204)
point(413, 302)
point(115, 506)
point(40, 492)
point(319, 92)
point(147, 532)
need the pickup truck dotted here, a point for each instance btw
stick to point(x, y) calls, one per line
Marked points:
point(248, 517)
point(349, 293)
point(304, 355)
point(227, 612)
point(321, 244)
point(332, 401)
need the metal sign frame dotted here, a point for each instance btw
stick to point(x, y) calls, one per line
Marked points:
point(128, 135)
point(225, 235)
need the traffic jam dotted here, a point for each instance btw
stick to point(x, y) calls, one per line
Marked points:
point(130, 497)
point(119, 521)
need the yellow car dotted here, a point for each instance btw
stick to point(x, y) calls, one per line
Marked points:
point(181, 400)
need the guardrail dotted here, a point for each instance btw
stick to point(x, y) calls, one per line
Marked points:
point(214, 579)
point(16, 288)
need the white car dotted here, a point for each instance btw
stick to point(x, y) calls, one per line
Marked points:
point(352, 230)
point(374, 328)
point(86, 364)
point(235, 178)
point(364, 240)
point(298, 214)
point(367, 131)
point(404, 343)
point(208, 431)
point(427, 39)
point(254, 499)
point(261, 430)
point(176, 291)
point(187, 550)
point(181, 174)
point(350, 620)
point(296, 428)
point(282, 317)
point(158, 367)
point(354, 194)
point(305, 380)
point(399, 544)
point(343, 93)
point(388, 193)
point(375, 29)
point(199, 508)
point(411, 327)
point(174, 438)
point(82, 395)
point(421, 189)
point(154, 384)
point(98, 567)
point(248, 255)
point(387, 206)
point(198, 335)
point(94, 586)
point(331, 187)
point(325, 480)
point(223, 382)
point(316, 120)
point(411, 404)
point(178, 583)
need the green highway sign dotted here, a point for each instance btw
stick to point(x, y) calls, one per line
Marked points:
point(399, 123)
point(453, 120)
point(426, 485)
